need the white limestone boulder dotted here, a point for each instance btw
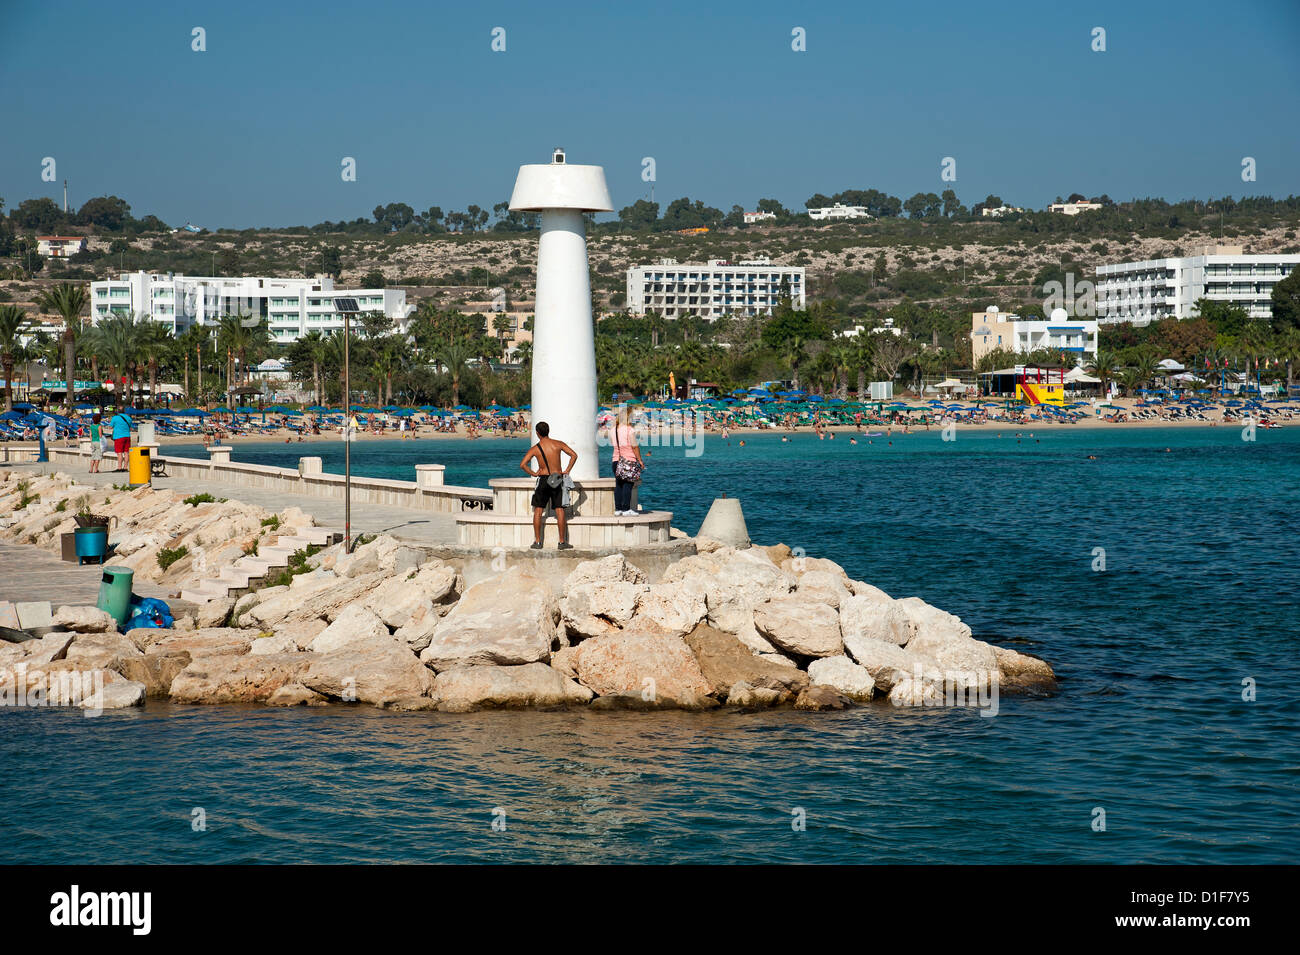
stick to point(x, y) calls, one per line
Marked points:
point(831, 589)
point(385, 555)
point(888, 663)
point(506, 620)
point(843, 675)
point(353, 624)
point(412, 595)
point(615, 567)
point(109, 651)
point(465, 688)
point(805, 628)
point(675, 607)
point(274, 644)
point(875, 617)
point(733, 582)
point(927, 620)
point(245, 678)
point(378, 670)
point(84, 620)
point(1024, 672)
point(595, 608)
point(657, 669)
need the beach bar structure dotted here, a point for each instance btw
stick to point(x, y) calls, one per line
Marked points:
point(1032, 384)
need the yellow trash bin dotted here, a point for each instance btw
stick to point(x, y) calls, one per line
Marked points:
point(139, 468)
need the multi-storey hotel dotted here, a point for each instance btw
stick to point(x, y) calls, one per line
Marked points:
point(289, 307)
point(992, 329)
point(1141, 292)
point(712, 290)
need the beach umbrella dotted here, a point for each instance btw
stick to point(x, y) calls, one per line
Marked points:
point(223, 410)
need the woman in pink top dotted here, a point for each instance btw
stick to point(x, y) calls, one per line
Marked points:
point(627, 462)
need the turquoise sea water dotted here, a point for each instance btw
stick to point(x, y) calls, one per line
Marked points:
point(1198, 594)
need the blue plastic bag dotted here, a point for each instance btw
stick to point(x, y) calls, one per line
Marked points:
point(149, 612)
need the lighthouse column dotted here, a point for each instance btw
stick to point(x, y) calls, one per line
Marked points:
point(564, 353)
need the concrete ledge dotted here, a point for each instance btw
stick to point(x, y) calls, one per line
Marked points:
point(365, 490)
point(553, 566)
point(510, 531)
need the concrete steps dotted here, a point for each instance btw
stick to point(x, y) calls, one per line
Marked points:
point(248, 572)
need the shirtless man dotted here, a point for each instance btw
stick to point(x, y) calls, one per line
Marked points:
point(546, 452)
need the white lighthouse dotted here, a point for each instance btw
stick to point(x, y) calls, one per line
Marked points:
point(564, 350)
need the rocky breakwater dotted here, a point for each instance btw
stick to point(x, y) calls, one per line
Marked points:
point(390, 627)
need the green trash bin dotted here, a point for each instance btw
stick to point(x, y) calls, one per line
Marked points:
point(115, 592)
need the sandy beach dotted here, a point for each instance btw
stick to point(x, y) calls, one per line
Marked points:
point(1121, 416)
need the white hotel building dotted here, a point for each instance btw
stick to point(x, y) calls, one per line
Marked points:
point(839, 211)
point(289, 307)
point(1140, 292)
point(992, 329)
point(712, 290)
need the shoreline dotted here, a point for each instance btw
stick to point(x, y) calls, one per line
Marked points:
point(287, 436)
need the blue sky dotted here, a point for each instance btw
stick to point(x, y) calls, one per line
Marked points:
point(252, 132)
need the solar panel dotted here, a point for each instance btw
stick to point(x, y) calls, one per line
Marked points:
point(346, 305)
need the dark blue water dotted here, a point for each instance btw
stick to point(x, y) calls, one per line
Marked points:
point(1198, 594)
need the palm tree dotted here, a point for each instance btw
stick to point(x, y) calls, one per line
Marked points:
point(1254, 343)
point(118, 346)
point(1104, 366)
point(1147, 368)
point(11, 346)
point(155, 341)
point(241, 338)
point(657, 325)
point(1288, 348)
point(1131, 379)
point(67, 301)
point(795, 354)
point(455, 354)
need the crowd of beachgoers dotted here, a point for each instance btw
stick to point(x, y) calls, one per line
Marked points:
point(814, 414)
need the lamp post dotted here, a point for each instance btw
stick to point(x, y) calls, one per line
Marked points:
point(347, 307)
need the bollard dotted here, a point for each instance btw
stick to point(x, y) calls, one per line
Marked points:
point(725, 522)
point(430, 475)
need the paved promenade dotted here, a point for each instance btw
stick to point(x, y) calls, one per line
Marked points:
point(423, 527)
point(30, 573)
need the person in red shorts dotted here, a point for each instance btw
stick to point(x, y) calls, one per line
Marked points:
point(121, 425)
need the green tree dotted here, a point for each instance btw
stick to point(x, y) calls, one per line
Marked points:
point(117, 343)
point(11, 346)
point(105, 212)
point(1286, 302)
point(37, 215)
point(67, 301)
point(641, 214)
point(1104, 366)
point(455, 354)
